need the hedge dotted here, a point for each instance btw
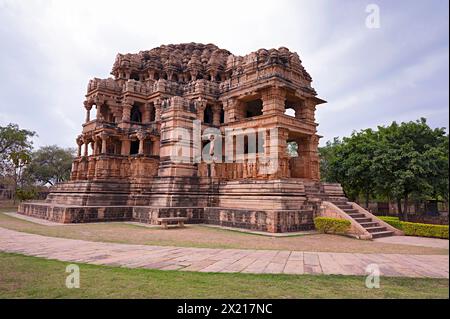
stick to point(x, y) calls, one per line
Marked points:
point(417, 229)
point(331, 225)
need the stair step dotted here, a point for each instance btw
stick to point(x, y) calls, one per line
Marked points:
point(344, 206)
point(369, 224)
point(351, 210)
point(362, 219)
point(382, 234)
point(375, 229)
point(356, 215)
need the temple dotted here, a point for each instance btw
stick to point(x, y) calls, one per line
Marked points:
point(192, 130)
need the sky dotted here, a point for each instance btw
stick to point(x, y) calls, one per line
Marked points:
point(369, 76)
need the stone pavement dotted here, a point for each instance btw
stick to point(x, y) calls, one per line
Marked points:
point(415, 241)
point(221, 260)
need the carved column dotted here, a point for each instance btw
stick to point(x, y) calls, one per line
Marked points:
point(86, 146)
point(158, 110)
point(216, 114)
point(201, 106)
point(80, 144)
point(126, 111)
point(273, 101)
point(125, 148)
point(88, 107)
point(141, 137)
point(103, 137)
point(155, 146)
point(146, 113)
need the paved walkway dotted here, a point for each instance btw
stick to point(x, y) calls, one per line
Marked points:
point(415, 241)
point(221, 260)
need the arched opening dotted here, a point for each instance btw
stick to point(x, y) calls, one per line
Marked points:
point(156, 76)
point(135, 115)
point(208, 115)
point(289, 108)
point(253, 108)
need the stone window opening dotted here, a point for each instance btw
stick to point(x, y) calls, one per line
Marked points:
point(208, 115)
point(253, 108)
point(222, 116)
point(134, 147)
point(290, 109)
point(152, 114)
point(292, 148)
point(135, 115)
point(134, 76)
point(156, 76)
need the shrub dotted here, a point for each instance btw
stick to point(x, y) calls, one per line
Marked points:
point(331, 225)
point(418, 229)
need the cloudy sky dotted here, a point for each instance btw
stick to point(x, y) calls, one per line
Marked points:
point(369, 76)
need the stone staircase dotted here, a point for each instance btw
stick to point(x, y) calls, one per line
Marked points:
point(368, 223)
point(316, 192)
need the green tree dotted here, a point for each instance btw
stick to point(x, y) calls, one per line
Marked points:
point(50, 164)
point(350, 163)
point(411, 159)
point(15, 150)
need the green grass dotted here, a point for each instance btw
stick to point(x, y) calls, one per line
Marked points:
point(33, 277)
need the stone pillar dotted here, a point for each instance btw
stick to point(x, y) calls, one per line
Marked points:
point(216, 114)
point(103, 137)
point(126, 112)
point(125, 149)
point(80, 144)
point(306, 111)
point(146, 113)
point(158, 110)
point(88, 107)
point(273, 101)
point(86, 146)
point(233, 111)
point(155, 146)
point(141, 137)
point(201, 106)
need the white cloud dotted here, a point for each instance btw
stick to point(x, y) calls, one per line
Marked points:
point(50, 49)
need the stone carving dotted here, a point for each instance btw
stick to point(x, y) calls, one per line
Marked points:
point(141, 159)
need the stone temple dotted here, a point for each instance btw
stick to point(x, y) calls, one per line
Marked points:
point(192, 130)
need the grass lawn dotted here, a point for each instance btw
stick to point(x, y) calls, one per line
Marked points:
point(202, 236)
point(33, 277)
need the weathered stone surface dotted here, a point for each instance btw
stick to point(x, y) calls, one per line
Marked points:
point(160, 143)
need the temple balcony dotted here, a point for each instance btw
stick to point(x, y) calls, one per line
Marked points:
point(108, 84)
point(98, 124)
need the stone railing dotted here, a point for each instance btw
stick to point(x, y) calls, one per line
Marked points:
point(105, 84)
point(133, 86)
point(247, 169)
point(97, 124)
point(107, 167)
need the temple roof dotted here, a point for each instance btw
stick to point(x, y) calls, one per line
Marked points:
point(202, 58)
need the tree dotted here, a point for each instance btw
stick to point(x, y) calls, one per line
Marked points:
point(411, 159)
point(350, 163)
point(328, 160)
point(50, 164)
point(400, 161)
point(15, 149)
